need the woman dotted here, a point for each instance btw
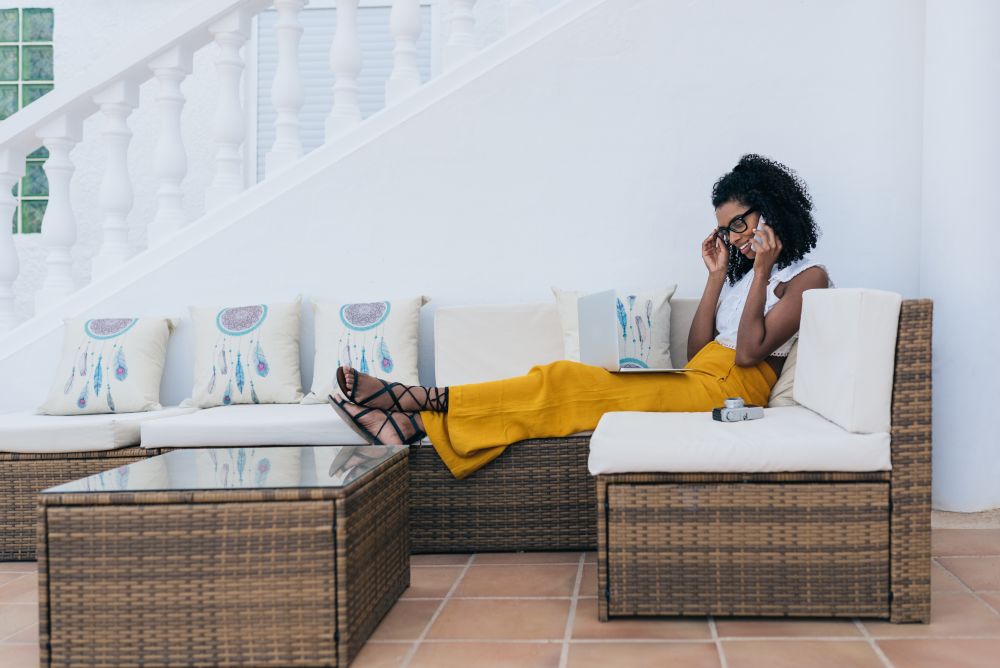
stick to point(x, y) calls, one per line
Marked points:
point(741, 333)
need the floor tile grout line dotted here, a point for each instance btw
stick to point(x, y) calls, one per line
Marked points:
point(437, 612)
point(559, 641)
point(3, 640)
point(970, 590)
point(965, 556)
point(673, 641)
point(20, 576)
point(874, 645)
point(861, 639)
point(482, 565)
point(723, 663)
point(499, 598)
point(568, 635)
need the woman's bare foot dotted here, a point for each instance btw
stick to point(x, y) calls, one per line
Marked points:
point(373, 392)
point(388, 428)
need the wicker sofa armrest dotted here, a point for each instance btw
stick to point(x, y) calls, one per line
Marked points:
point(910, 516)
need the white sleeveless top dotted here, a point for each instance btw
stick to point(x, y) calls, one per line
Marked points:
point(734, 297)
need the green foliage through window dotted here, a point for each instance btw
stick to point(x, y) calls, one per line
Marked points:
point(26, 74)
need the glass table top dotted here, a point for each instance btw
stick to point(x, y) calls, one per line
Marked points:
point(238, 468)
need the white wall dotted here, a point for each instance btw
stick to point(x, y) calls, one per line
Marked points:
point(958, 267)
point(587, 161)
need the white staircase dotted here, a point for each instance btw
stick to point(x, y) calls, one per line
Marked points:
point(111, 90)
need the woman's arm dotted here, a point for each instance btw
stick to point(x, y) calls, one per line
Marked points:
point(703, 326)
point(716, 257)
point(759, 336)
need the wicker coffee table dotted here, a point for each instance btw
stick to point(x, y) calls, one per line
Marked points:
point(245, 556)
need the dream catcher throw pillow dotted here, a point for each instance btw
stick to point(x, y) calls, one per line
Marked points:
point(246, 355)
point(109, 365)
point(378, 338)
point(643, 319)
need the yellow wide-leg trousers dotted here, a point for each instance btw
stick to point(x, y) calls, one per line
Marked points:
point(566, 397)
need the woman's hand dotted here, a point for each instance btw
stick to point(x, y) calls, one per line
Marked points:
point(767, 246)
point(715, 254)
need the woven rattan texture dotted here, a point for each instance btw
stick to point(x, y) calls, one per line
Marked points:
point(761, 549)
point(373, 554)
point(228, 583)
point(228, 577)
point(649, 549)
point(23, 475)
point(911, 465)
point(537, 495)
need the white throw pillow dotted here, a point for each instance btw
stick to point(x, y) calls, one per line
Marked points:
point(109, 365)
point(246, 355)
point(643, 321)
point(377, 338)
point(781, 393)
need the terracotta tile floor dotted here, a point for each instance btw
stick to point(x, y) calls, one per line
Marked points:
point(528, 610)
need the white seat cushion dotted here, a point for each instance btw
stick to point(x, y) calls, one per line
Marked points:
point(847, 351)
point(791, 438)
point(251, 425)
point(29, 432)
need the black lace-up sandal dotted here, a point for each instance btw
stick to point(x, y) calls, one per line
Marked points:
point(354, 422)
point(438, 402)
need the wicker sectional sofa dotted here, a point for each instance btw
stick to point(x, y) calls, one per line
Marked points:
point(848, 536)
point(539, 494)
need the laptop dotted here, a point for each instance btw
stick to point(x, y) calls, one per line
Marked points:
point(599, 334)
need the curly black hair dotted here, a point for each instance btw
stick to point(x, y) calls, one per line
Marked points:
point(780, 196)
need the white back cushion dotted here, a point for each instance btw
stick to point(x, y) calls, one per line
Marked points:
point(681, 316)
point(474, 344)
point(847, 350)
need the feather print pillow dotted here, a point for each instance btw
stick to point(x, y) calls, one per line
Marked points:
point(109, 365)
point(246, 355)
point(643, 320)
point(378, 338)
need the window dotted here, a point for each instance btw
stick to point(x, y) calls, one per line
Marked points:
point(26, 74)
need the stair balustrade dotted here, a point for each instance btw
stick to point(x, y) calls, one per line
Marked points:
point(286, 93)
point(11, 169)
point(110, 88)
point(117, 103)
point(227, 126)
point(345, 62)
point(169, 157)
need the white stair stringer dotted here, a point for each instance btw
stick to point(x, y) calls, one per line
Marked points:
point(21, 347)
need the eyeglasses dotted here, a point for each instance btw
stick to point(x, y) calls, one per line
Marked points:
point(737, 225)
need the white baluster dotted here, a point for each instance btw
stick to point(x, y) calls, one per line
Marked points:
point(117, 102)
point(11, 169)
point(520, 13)
point(286, 92)
point(227, 127)
point(58, 224)
point(345, 61)
point(462, 40)
point(169, 159)
point(405, 24)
